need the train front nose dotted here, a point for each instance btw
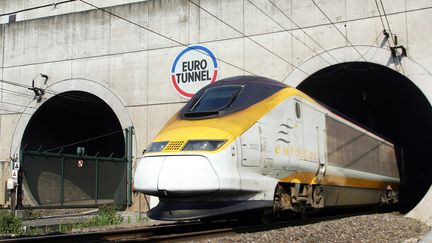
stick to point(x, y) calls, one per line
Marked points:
point(176, 175)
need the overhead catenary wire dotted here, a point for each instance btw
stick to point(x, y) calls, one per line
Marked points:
point(302, 29)
point(392, 36)
point(36, 7)
point(16, 93)
point(248, 37)
point(390, 32)
point(14, 83)
point(12, 104)
point(84, 140)
point(290, 32)
point(388, 23)
point(380, 16)
point(17, 84)
point(164, 36)
point(12, 112)
point(334, 25)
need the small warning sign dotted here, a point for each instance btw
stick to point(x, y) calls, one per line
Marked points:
point(14, 174)
point(80, 163)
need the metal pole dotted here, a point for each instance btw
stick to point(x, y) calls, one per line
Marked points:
point(97, 182)
point(62, 181)
point(129, 135)
point(402, 174)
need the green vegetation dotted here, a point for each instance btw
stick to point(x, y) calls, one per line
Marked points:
point(9, 224)
point(107, 215)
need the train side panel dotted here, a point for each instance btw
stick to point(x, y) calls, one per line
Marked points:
point(303, 143)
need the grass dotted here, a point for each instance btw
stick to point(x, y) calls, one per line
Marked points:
point(9, 224)
point(107, 215)
point(12, 226)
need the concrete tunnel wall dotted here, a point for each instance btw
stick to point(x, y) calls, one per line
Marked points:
point(84, 49)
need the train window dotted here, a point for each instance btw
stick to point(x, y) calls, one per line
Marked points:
point(216, 98)
point(297, 110)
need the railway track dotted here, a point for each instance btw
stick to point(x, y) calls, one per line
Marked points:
point(181, 231)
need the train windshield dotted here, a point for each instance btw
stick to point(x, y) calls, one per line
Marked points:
point(216, 98)
point(229, 95)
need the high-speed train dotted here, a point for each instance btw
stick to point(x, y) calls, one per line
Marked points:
point(252, 143)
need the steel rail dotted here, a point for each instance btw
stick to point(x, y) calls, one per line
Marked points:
point(189, 230)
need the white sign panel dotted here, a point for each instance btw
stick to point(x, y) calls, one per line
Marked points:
point(14, 174)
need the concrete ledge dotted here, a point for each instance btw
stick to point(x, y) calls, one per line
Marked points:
point(56, 8)
point(423, 210)
point(427, 238)
point(22, 214)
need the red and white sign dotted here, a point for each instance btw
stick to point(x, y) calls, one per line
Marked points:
point(14, 174)
point(192, 69)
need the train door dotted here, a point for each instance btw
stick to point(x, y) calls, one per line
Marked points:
point(311, 131)
point(322, 146)
point(251, 146)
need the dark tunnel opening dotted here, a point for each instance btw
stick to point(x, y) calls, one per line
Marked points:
point(54, 172)
point(75, 119)
point(389, 104)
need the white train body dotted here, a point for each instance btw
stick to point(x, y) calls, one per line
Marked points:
point(282, 152)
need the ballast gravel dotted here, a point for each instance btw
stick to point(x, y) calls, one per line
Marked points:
point(388, 227)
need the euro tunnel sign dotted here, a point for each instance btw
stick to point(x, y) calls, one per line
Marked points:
point(192, 69)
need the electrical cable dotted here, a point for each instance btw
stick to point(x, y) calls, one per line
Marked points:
point(390, 32)
point(392, 36)
point(334, 25)
point(164, 36)
point(83, 141)
point(15, 83)
point(303, 43)
point(37, 7)
point(380, 16)
point(68, 96)
point(300, 28)
point(12, 104)
point(13, 112)
point(12, 92)
point(388, 24)
point(248, 37)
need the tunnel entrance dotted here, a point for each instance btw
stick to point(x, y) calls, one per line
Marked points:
point(389, 104)
point(73, 153)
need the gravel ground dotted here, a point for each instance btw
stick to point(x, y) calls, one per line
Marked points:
point(389, 227)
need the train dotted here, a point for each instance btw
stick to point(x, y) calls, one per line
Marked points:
point(250, 143)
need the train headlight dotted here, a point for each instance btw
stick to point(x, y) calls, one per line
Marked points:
point(203, 145)
point(157, 146)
